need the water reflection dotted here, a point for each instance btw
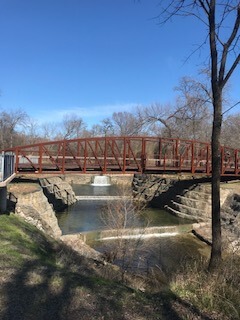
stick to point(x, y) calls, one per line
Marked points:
point(86, 190)
point(85, 215)
point(81, 216)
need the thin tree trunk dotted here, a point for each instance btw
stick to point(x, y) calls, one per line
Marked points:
point(216, 252)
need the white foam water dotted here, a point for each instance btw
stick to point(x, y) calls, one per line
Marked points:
point(142, 236)
point(101, 181)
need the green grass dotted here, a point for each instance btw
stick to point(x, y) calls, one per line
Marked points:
point(21, 242)
point(211, 292)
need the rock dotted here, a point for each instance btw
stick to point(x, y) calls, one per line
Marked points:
point(147, 187)
point(59, 192)
point(35, 209)
point(230, 216)
point(76, 243)
point(203, 231)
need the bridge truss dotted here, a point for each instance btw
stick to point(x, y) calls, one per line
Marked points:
point(123, 154)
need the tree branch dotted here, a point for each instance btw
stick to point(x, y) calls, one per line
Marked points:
point(226, 47)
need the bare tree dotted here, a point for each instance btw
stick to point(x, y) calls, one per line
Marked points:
point(71, 127)
point(107, 127)
point(126, 124)
point(192, 113)
point(157, 118)
point(29, 134)
point(222, 20)
point(122, 222)
point(95, 131)
point(231, 131)
point(9, 123)
point(49, 130)
point(184, 120)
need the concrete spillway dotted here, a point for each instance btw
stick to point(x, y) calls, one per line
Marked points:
point(135, 233)
point(101, 181)
point(102, 197)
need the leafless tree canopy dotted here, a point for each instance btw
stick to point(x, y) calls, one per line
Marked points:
point(10, 123)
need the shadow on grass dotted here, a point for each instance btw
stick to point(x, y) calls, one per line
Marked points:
point(173, 307)
point(50, 281)
point(37, 292)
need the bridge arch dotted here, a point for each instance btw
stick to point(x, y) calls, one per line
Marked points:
point(123, 155)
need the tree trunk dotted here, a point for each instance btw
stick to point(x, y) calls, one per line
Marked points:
point(216, 253)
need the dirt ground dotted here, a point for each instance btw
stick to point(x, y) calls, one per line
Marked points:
point(23, 187)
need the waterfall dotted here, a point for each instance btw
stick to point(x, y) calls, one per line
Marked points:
point(101, 181)
point(142, 236)
point(139, 233)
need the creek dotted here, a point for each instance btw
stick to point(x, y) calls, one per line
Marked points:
point(85, 215)
point(164, 248)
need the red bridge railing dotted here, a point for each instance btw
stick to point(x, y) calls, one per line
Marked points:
point(123, 154)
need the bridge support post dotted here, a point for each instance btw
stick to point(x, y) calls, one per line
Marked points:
point(3, 199)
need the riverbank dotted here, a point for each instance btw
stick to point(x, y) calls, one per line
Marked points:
point(70, 284)
point(42, 278)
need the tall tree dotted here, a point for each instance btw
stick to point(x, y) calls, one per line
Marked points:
point(221, 19)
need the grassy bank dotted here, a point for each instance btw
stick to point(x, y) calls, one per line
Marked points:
point(216, 294)
point(41, 278)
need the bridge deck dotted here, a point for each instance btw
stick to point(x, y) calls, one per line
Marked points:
point(123, 154)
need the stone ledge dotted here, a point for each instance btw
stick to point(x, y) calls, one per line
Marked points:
point(7, 181)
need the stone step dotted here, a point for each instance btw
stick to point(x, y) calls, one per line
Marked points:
point(190, 210)
point(183, 215)
point(204, 205)
point(206, 188)
point(197, 195)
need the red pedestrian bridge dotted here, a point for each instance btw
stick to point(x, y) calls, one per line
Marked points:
point(122, 155)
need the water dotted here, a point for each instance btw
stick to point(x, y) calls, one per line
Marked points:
point(86, 190)
point(144, 252)
point(101, 181)
point(85, 215)
point(166, 254)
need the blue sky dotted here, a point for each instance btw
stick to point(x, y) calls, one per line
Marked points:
point(93, 57)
